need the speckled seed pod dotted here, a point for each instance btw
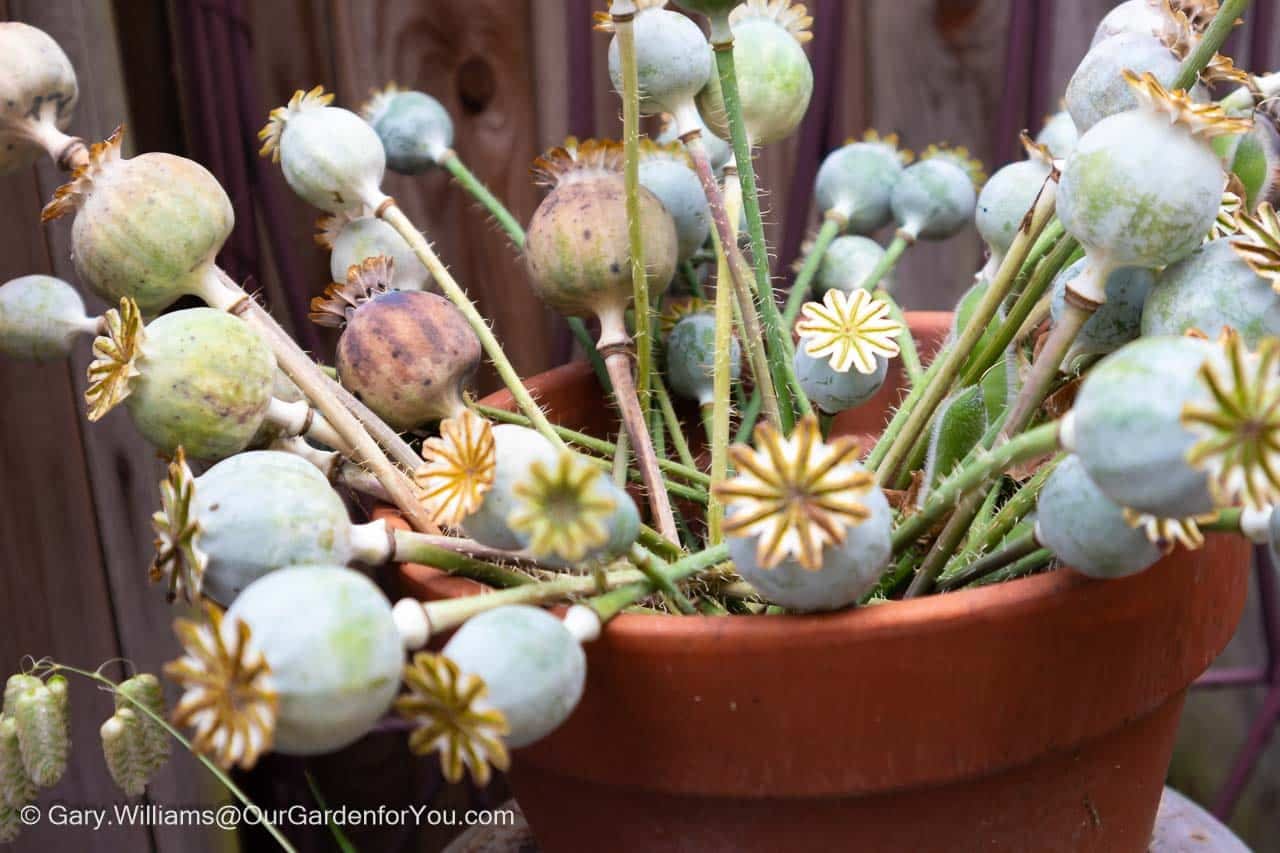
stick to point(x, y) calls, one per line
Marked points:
point(262, 511)
point(833, 391)
point(41, 317)
point(1059, 135)
point(667, 172)
point(673, 59)
point(330, 157)
point(848, 261)
point(1113, 325)
point(414, 127)
point(335, 655)
point(1097, 88)
point(775, 80)
point(405, 354)
point(37, 90)
point(1116, 196)
point(204, 383)
point(856, 181)
point(1085, 529)
point(357, 240)
point(577, 248)
point(1008, 196)
point(40, 715)
point(515, 449)
point(1209, 290)
point(532, 667)
point(147, 228)
point(1127, 427)
point(691, 354)
point(935, 197)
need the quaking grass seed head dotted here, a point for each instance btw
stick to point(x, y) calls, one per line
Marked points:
point(414, 127)
point(330, 157)
point(775, 79)
point(407, 355)
point(38, 94)
point(577, 246)
point(147, 227)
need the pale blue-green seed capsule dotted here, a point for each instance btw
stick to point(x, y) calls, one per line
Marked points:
point(833, 391)
point(934, 198)
point(415, 130)
point(42, 735)
point(691, 356)
point(516, 448)
point(848, 570)
point(124, 749)
point(145, 689)
point(1127, 427)
point(37, 82)
point(1085, 529)
point(331, 158)
point(1005, 200)
point(264, 510)
point(532, 667)
point(847, 263)
point(369, 237)
point(1098, 89)
point(1116, 196)
point(1132, 16)
point(41, 317)
point(1116, 322)
point(205, 384)
point(1059, 135)
point(16, 788)
point(335, 655)
point(856, 181)
point(1210, 289)
point(673, 60)
point(677, 186)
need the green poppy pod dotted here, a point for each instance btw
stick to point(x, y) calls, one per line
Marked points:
point(330, 157)
point(353, 241)
point(1008, 195)
point(775, 80)
point(516, 448)
point(1116, 322)
point(1059, 135)
point(691, 355)
point(147, 228)
point(533, 669)
point(673, 59)
point(38, 94)
point(834, 391)
point(936, 196)
point(334, 653)
point(414, 127)
point(1085, 529)
point(1126, 426)
point(856, 181)
point(667, 172)
point(41, 317)
point(847, 263)
point(1098, 89)
point(1209, 290)
point(577, 246)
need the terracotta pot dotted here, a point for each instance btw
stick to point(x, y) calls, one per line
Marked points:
point(1037, 715)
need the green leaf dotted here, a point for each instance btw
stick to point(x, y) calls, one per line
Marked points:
point(958, 427)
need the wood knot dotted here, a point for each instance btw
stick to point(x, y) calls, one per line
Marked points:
point(477, 84)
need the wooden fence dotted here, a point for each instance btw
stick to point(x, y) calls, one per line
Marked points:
point(76, 499)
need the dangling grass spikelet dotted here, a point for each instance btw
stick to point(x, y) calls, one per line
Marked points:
point(145, 689)
point(41, 723)
point(794, 493)
point(453, 719)
point(122, 747)
point(16, 788)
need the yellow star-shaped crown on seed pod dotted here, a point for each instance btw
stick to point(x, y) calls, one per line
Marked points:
point(452, 718)
point(460, 466)
point(1165, 533)
point(228, 696)
point(577, 159)
point(792, 17)
point(1207, 120)
point(1259, 242)
point(115, 359)
point(178, 556)
point(563, 508)
point(378, 100)
point(848, 329)
point(889, 141)
point(301, 101)
point(1239, 427)
point(365, 280)
point(798, 494)
point(960, 156)
point(68, 197)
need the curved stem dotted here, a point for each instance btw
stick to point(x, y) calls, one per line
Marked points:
point(612, 603)
point(892, 254)
point(464, 176)
point(625, 396)
point(984, 537)
point(217, 771)
point(656, 571)
point(936, 389)
point(832, 224)
point(1012, 551)
point(391, 213)
point(1036, 442)
point(779, 336)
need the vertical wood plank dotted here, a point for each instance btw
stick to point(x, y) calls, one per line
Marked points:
point(123, 471)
